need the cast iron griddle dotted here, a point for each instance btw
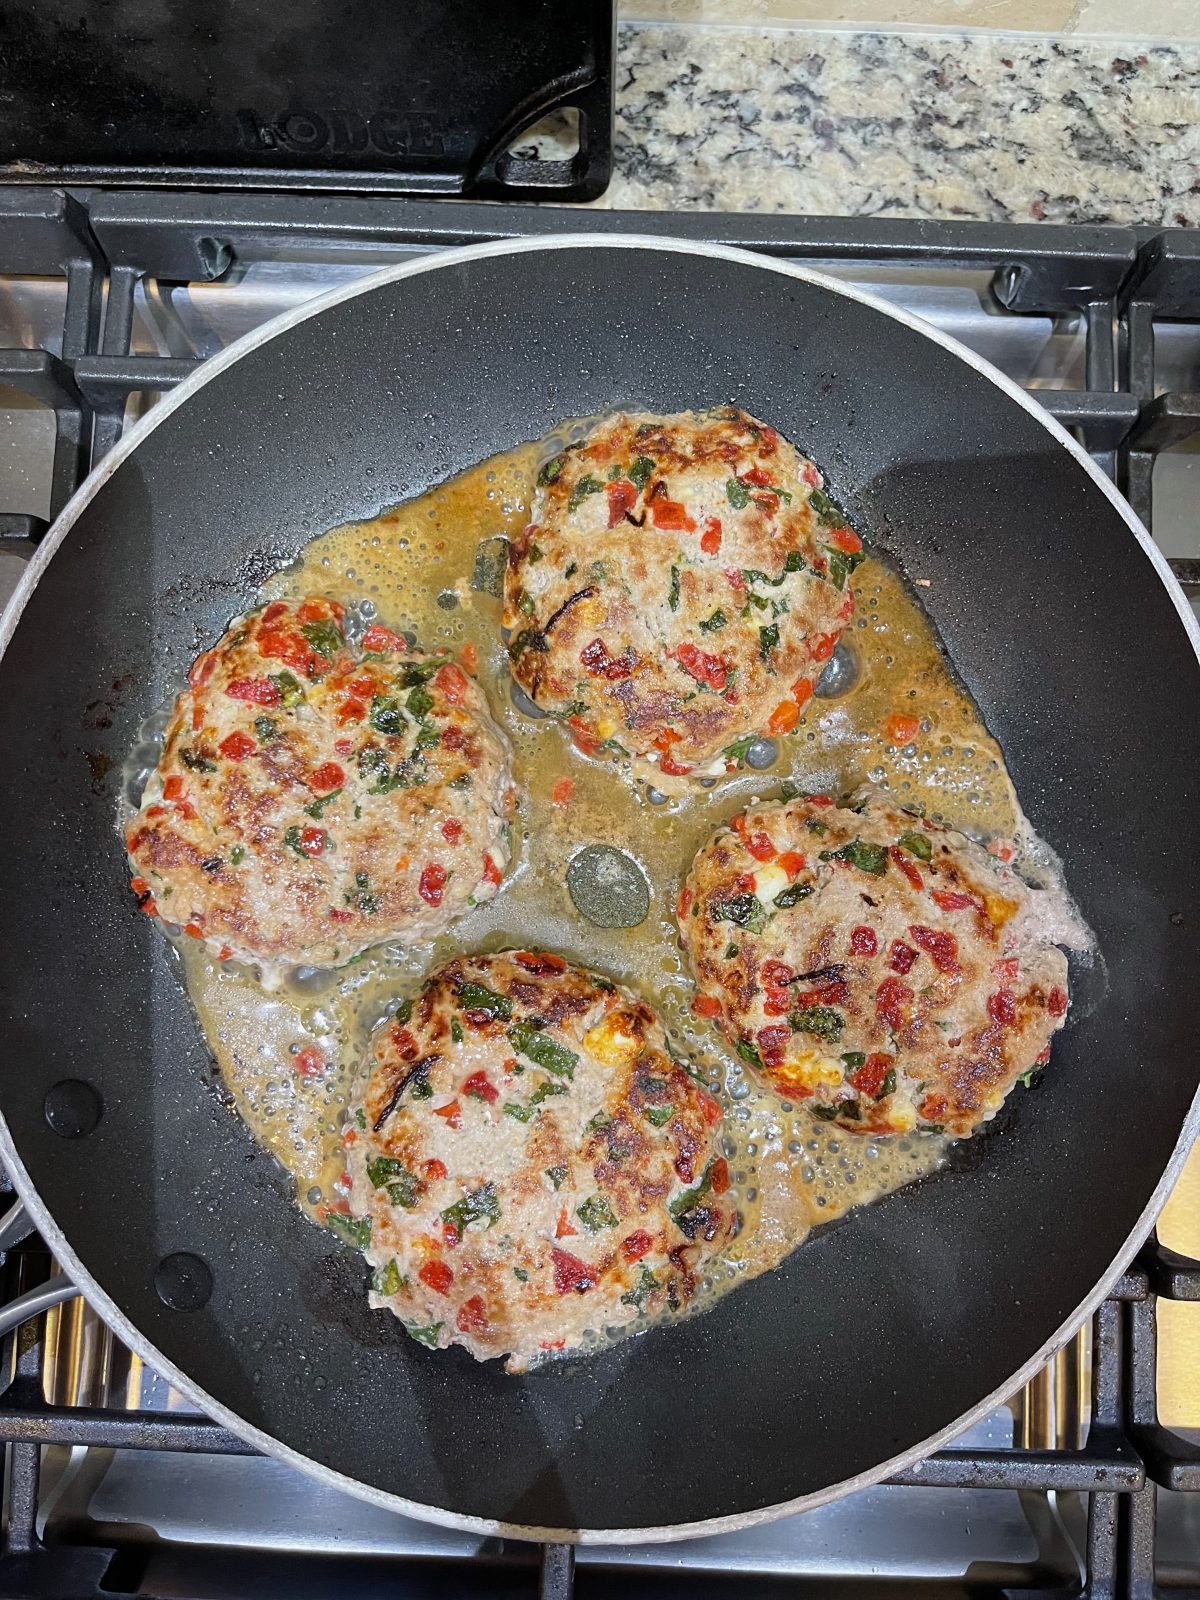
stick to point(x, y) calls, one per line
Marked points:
point(880, 1335)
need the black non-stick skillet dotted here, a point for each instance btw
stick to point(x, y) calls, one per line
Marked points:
point(880, 1338)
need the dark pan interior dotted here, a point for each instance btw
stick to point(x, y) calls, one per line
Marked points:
point(880, 1332)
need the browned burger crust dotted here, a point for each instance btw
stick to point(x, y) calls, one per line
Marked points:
point(872, 963)
point(315, 797)
point(529, 1162)
point(679, 588)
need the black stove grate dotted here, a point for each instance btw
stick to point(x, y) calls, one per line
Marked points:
point(1119, 281)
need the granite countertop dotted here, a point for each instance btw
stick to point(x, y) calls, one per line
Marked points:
point(992, 127)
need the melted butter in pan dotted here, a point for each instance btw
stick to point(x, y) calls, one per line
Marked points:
point(414, 566)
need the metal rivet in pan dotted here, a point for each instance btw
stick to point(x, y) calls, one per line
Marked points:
point(762, 753)
point(523, 703)
point(656, 797)
point(72, 1108)
point(841, 673)
point(608, 887)
point(491, 559)
point(183, 1281)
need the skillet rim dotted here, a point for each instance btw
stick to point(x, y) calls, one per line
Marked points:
point(111, 1312)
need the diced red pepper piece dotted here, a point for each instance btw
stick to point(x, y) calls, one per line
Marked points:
point(869, 1077)
point(703, 666)
point(563, 792)
point(173, 787)
point(776, 974)
point(491, 872)
point(719, 1175)
point(379, 639)
point(802, 691)
point(710, 539)
point(952, 899)
point(863, 941)
point(635, 1246)
point(705, 1005)
point(1056, 1002)
point(480, 1087)
point(259, 691)
point(1002, 1007)
point(310, 1062)
point(710, 1106)
point(784, 717)
point(907, 866)
point(585, 738)
point(326, 778)
point(432, 883)
point(940, 947)
point(822, 645)
point(845, 539)
point(792, 862)
point(594, 657)
point(771, 1042)
point(892, 999)
point(671, 516)
point(338, 915)
point(452, 682)
point(312, 841)
point(451, 1112)
point(572, 1275)
point(622, 497)
point(472, 1316)
point(564, 1226)
point(433, 1170)
point(542, 963)
point(437, 1276)
point(452, 830)
point(901, 956)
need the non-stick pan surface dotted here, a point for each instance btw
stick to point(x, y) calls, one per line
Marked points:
point(876, 1338)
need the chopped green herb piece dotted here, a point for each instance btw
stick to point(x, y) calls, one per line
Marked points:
point(792, 895)
point(545, 1089)
point(815, 825)
point(641, 471)
point(476, 997)
point(659, 1116)
point(456, 1030)
point(520, 1274)
point(1028, 1079)
point(535, 554)
point(427, 734)
point(596, 1213)
point(737, 493)
point(749, 1052)
point(851, 1110)
point(265, 728)
point(552, 470)
point(642, 1290)
point(542, 1051)
point(481, 1205)
point(739, 749)
point(571, 569)
point(673, 596)
point(387, 718)
point(768, 640)
point(825, 1113)
point(599, 569)
point(853, 1059)
point(317, 808)
point(841, 564)
point(528, 639)
point(355, 1230)
point(917, 844)
point(823, 506)
point(794, 562)
point(518, 1113)
point(931, 1127)
point(325, 637)
point(463, 781)
point(426, 1336)
point(712, 624)
point(872, 858)
point(888, 1086)
point(731, 950)
point(195, 762)
point(824, 1021)
point(421, 671)
point(291, 838)
point(585, 486)
point(387, 1280)
point(556, 1175)
point(290, 692)
point(746, 910)
point(692, 1197)
point(237, 855)
point(403, 1011)
point(419, 701)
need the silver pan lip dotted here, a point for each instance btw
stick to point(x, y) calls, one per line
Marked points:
point(107, 1307)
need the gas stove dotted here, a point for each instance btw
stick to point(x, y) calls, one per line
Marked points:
point(1088, 1482)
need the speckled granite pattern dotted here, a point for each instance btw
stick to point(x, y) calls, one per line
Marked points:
point(906, 125)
